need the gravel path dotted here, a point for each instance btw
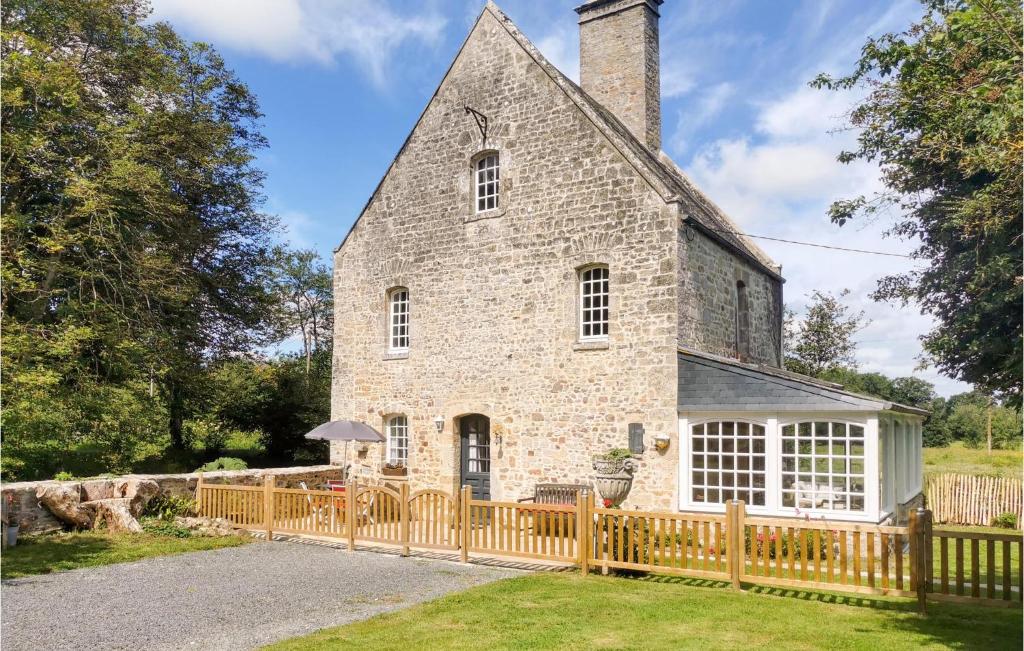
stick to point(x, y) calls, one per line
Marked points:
point(236, 598)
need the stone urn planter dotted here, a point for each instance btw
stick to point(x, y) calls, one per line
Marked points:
point(614, 478)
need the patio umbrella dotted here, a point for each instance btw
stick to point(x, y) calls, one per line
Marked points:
point(345, 430)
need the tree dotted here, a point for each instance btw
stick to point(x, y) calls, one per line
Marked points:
point(823, 339)
point(303, 287)
point(942, 117)
point(133, 246)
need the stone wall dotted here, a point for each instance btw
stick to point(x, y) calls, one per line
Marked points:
point(494, 296)
point(707, 300)
point(33, 518)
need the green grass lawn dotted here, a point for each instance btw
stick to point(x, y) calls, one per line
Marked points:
point(567, 611)
point(968, 461)
point(59, 552)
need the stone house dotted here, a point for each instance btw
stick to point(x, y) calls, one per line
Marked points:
point(533, 279)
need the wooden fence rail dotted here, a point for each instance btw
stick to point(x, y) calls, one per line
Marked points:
point(860, 558)
point(913, 561)
point(973, 500)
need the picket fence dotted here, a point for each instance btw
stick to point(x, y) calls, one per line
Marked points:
point(916, 560)
point(973, 500)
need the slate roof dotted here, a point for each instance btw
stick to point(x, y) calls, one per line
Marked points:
point(659, 170)
point(711, 383)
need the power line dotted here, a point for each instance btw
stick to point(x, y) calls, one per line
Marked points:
point(820, 246)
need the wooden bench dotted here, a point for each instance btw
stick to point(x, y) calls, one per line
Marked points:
point(556, 493)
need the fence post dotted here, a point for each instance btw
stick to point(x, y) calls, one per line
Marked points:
point(920, 540)
point(464, 498)
point(268, 505)
point(199, 495)
point(929, 549)
point(734, 517)
point(915, 533)
point(403, 517)
point(583, 534)
point(351, 517)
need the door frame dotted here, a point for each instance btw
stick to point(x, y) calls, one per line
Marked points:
point(463, 456)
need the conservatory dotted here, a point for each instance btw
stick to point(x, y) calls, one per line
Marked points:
point(792, 446)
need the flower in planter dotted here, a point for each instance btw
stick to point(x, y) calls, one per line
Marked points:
point(608, 503)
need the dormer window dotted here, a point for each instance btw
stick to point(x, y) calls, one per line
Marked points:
point(594, 303)
point(398, 320)
point(487, 181)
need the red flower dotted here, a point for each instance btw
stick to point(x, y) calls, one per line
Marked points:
point(607, 503)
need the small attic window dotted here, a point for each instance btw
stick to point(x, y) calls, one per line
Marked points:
point(487, 181)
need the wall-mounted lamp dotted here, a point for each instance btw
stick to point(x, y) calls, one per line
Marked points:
point(661, 442)
point(439, 423)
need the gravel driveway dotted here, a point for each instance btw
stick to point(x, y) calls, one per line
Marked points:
point(236, 598)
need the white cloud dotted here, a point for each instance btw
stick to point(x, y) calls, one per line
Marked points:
point(561, 48)
point(676, 80)
point(367, 31)
point(706, 105)
point(778, 182)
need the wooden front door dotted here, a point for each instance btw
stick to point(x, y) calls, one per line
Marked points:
point(475, 431)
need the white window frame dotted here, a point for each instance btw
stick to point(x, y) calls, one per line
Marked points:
point(707, 455)
point(399, 306)
point(487, 182)
point(846, 475)
point(587, 307)
point(398, 439)
point(773, 422)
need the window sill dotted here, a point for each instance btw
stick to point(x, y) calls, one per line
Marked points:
point(596, 344)
point(493, 213)
point(402, 354)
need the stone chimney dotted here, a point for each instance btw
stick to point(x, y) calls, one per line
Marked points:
point(619, 63)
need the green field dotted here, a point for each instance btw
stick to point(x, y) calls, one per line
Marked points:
point(68, 551)
point(567, 611)
point(957, 458)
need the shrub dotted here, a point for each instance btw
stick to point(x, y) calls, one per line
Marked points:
point(223, 463)
point(160, 527)
point(617, 454)
point(1005, 521)
point(170, 506)
point(63, 475)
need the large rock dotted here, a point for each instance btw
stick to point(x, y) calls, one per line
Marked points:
point(90, 504)
point(65, 502)
point(208, 526)
point(115, 512)
point(139, 491)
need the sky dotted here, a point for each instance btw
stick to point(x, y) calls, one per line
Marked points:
point(342, 82)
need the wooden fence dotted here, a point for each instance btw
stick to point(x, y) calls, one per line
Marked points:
point(973, 500)
point(912, 561)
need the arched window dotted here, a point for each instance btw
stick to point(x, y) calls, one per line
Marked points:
point(487, 182)
point(742, 321)
point(398, 440)
point(398, 320)
point(822, 466)
point(594, 303)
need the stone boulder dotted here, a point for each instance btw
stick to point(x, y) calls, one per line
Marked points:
point(115, 512)
point(87, 505)
point(138, 491)
point(65, 502)
point(213, 527)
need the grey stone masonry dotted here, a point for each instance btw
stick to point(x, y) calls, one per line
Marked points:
point(619, 62)
point(494, 295)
